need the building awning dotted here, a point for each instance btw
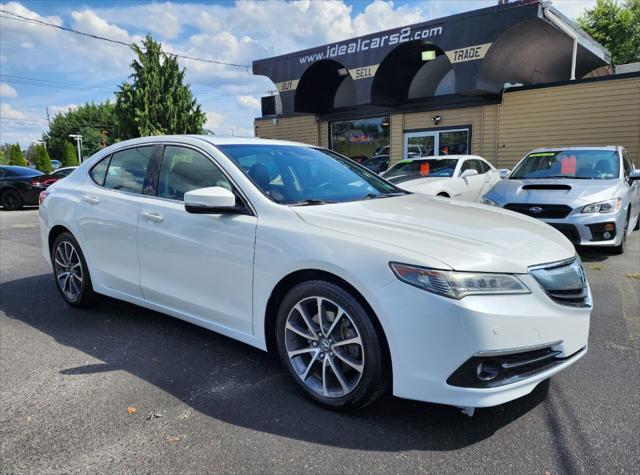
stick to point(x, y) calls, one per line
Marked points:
point(467, 55)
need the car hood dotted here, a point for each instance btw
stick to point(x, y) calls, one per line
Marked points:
point(418, 183)
point(542, 191)
point(462, 235)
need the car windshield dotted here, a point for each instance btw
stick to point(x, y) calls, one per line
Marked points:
point(300, 175)
point(426, 168)
point(576, 164)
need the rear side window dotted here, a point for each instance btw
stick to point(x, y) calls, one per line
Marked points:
point(473, 165)
point(99, 171)
point(127, 169)
point(184, 169)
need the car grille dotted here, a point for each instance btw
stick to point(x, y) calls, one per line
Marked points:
point(565, 282)
point(540, 210)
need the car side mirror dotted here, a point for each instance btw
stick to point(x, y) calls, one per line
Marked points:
point(211, 200)
point(634, 175)
point(504, 172)
point(469, 172)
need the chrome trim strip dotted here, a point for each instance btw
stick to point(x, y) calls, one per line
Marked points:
point(515, 351)
point(530, 360)
point(554, 264)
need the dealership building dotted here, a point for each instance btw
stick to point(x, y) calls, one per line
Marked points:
point(495, 82)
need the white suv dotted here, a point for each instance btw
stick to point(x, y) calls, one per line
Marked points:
point(359, 285)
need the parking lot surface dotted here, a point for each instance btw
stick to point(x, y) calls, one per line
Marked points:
point(120, 388)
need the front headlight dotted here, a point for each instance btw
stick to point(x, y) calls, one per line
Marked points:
point(608, 206)
point(487, 201)
point(457, 285)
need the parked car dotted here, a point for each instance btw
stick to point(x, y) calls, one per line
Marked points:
point(359, 285)
point(465, 177)
point(17, 187)
point(55, 164)
point(590, 194)
point(377, 164)
point(59, 174)
point(414, 150)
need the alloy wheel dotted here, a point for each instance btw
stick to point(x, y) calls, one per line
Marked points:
point(68, 269)
point(324, 347)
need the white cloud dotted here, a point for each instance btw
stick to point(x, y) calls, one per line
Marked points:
point(54, 110)
point(213, 120)
point(8, 112)
point(248, 102)
point(7, 91)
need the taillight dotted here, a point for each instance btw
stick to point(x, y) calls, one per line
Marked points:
point(36, 182)
point(43, 195)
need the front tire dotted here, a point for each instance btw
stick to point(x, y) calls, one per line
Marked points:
point(619, 249)
point(71, 272)
point(329, 345)
point(11, 200)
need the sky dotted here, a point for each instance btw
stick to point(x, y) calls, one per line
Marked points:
point(63, 70)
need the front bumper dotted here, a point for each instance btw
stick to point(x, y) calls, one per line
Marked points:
point(431, 337)
point(587, 229)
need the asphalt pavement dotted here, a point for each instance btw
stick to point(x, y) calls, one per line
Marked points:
point(121, 389)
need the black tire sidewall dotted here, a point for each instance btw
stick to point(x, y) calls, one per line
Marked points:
point(372, 378)
point(19, 202)
point(86, 290)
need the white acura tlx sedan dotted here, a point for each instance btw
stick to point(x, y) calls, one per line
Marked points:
point(359, 286)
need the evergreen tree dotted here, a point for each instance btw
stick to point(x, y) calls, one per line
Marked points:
point(41, 159)
point(69, 157)
point(16, 157)
point(156, 101)
point(4, 160)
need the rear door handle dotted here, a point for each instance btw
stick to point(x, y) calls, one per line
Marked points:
point(153, 217)
point(92, 200)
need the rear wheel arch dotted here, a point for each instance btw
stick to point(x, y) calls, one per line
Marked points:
point(290, 281)
point(54, 233)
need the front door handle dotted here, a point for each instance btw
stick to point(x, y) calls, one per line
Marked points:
point(153, 217)
point(92, 200)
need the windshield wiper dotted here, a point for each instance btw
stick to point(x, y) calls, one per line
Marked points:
point(375, 196)
point(312, 202)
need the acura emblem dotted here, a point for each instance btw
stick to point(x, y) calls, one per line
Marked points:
point(535, 210)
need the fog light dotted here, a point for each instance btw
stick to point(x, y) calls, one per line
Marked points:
point(609, 227)
point(487, 371)
point(606, 235)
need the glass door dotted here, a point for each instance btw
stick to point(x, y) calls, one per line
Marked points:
point(436, 142)
point(420, 144)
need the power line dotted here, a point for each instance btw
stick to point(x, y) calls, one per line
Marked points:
point(17, 17)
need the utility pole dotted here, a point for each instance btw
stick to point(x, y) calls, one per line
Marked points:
point(48, 119)
point(104, 138)
point(78, 138)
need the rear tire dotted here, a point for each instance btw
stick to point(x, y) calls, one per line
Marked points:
point(314, 321)
point(70, 272)
point(11, 200)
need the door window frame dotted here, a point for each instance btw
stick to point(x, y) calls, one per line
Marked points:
point(435, 132)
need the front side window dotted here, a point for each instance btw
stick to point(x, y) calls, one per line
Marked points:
point(128, 168)
point(472, 164)
point(575, 164)
point(306, 175)
point(184, 169)
point(430, 168)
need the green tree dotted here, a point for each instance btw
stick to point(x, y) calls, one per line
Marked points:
point(88, 120)
point(615, 26)
point(41, 159)
point(69, 157)
point(4, 160)
point(16, 157)
point(156, 101)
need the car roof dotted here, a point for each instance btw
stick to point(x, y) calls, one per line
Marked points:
point(67, 168)
point(441, 157)
point(212, 139)
point(559, 149)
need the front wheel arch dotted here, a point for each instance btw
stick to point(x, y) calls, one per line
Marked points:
point(290, 281)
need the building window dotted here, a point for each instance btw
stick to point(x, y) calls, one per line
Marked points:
point(436, 142)
point(361, 139)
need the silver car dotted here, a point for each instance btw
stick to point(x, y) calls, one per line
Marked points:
point(589, 194)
